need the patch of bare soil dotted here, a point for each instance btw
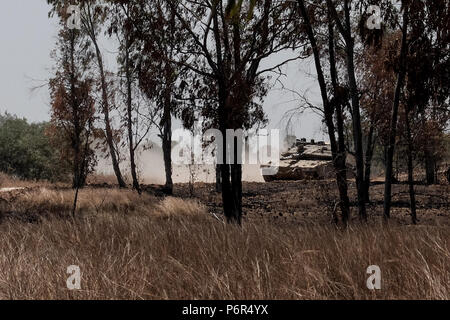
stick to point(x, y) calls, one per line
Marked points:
point(280, 202)
point(315, 201)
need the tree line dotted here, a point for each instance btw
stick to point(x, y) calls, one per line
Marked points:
point(212, 62)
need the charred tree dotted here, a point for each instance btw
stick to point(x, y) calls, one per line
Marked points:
point(412, 195)
point(338, 150)
point(345, 29)
point(394, 117)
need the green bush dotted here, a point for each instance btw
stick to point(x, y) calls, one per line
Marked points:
point(26, 152)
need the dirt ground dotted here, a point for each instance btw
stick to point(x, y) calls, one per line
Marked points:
point(315, 201)
point(294, 202)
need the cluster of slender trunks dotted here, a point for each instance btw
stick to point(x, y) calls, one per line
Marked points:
point(229, 176)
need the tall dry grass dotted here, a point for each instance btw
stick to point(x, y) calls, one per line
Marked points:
point(132, 247)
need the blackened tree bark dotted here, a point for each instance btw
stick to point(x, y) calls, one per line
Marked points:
point(341, 156)
point(412, 195)
point(368, 163)
point(231, 197)
point(430, 166)
point(218, 178)
point(346, 32)
point(230, 46)
point(337, 152)
point(167, 142)
point(236, 181)
point(394, 117)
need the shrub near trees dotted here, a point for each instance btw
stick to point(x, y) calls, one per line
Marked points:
point(27, 152)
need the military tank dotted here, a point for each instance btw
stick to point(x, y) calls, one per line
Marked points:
point(303, 161)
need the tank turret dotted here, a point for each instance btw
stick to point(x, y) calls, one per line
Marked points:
point(304, 160)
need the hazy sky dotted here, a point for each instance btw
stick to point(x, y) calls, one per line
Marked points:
point(27, 37)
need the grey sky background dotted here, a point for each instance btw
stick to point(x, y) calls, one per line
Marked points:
point(27, 37)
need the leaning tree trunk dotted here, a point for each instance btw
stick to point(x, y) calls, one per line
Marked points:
point(90, 26)
point(105, 109)
point(394, 118)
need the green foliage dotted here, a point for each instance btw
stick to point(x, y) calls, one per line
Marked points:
point(26, 152)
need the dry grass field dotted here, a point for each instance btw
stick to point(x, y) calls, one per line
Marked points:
point(146, 247)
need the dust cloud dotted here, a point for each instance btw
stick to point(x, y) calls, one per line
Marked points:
point(151, 169)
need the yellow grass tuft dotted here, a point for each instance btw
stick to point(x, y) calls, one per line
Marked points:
point(171, 206)
point(141, 247)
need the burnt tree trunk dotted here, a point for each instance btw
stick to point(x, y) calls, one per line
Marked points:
point(218, 178)
point(357, 133)
point(368, 162)
point(430, 163)
point(167, 144)
point(341, 156)
point(337, 153)
point(412, 195)
point(236, 181)
point(394, 118)
point(430, 167)
point(231, 174)
point(346, 32)
point(231, 177)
